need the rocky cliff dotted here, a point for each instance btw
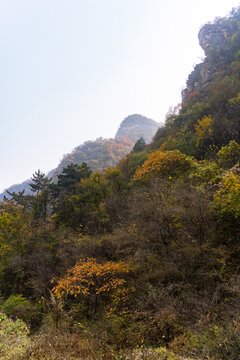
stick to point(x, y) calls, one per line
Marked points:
point(136, 126)
point(219, 41)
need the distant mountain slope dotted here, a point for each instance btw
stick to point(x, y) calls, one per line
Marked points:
point(17, 188)
point(102, 153)
point(98, 154)
point(135, 126)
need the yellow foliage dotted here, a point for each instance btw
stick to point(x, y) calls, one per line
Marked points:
point(227, 198)
point(163, 163)
point(204, 128)
point(235, 100)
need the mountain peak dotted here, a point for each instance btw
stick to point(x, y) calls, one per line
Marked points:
point(135, 126)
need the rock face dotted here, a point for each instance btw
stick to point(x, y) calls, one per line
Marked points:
point(217, 41)
point(136, 126)
point(216, 36)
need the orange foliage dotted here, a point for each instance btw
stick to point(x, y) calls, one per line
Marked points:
point(164, 164)
point(88, 278)
point(193, 95)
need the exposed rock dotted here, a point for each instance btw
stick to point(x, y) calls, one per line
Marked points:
point(216, 36)
point(217, 42)
point(136, 126)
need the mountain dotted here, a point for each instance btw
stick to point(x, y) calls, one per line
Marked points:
point(136, 126)
point(98, 154)
point(209, 116)
point(144, 254)
point(102, 153)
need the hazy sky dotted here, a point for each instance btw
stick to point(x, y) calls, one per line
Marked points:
point(72, 70)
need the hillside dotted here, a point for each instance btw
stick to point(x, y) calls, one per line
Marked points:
point(139, 261)
point(209, 114)
point(102, 153)
point(98, 154)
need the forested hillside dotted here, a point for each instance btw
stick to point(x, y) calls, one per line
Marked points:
point(142, 259)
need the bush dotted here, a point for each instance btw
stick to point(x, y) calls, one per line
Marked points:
point(13, 338)
point(164, 164)
point(229, 155)
point(17, 306)
point(216, 342)
point(227, 199)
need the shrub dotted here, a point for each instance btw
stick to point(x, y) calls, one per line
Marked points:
point(227, 199)
point(164, 164)
point(229, 155)
point(17, 306)
point(14, 339)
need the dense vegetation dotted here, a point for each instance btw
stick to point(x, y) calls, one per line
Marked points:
point(141, 260)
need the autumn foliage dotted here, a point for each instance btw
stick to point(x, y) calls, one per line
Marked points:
point(203, 128)
point(164, 164)
point(227, 198)
point(91, 279)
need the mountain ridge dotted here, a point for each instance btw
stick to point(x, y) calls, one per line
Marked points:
point(101, 153)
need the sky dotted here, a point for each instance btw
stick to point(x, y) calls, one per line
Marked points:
point(72, 70)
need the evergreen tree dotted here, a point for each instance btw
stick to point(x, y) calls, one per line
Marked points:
point(40, 182)
point(72, 174)
point(139, 145)
point(40, 185)
point(21, 199)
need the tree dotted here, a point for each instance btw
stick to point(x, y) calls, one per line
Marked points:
point(91, 280)
point(84, 206)
point(204, 128)
point(14, 228)
point(72, 174)
point(40, 182)
point(229, 155)
point(226, 200)
point(21, 199)
point(163, 164)
point(41, 185)
point(139, 145)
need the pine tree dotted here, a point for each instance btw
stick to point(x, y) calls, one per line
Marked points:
point(139, 145)
point(40, 182)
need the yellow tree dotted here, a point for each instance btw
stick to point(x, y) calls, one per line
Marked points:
point(204, 128)
point(164, 164)
point(91, 280)
point(226, 200)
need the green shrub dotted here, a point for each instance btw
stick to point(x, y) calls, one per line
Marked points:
point(14, 339)
point(229, 155)
point(216, 342)
point(17, 306)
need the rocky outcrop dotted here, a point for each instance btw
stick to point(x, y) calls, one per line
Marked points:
point(217, 41)
point(216, 37)
point(136, 126)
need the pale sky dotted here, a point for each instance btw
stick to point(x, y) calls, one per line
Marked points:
point(72, 70)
